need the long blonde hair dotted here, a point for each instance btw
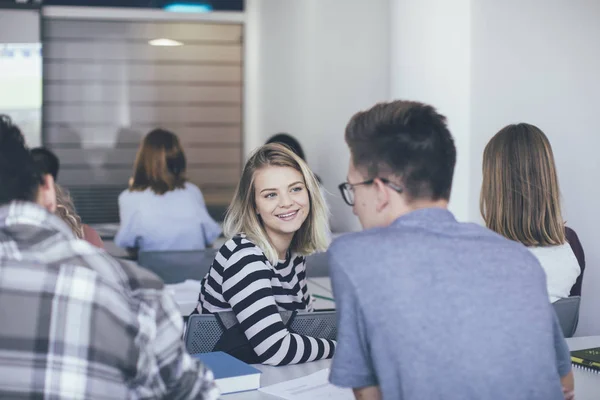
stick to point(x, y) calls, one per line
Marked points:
point(520, 196)
point(313, 235)
point(66, 211)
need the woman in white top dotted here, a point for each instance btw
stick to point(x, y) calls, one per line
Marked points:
point(161, 210)
point(520, 199)
point(276, 218)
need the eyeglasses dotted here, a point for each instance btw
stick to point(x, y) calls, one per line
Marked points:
point(347, 188)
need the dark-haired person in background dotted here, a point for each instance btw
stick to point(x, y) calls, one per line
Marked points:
point(161, 210)
point(430, 308)
point(75, 322)
point(48, 163)
point(288, 140)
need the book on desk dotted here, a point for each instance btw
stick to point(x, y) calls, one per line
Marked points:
point(588, 359)
point(231, 374)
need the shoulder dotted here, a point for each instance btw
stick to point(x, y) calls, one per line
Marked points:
point(573, 240)
point(131, 196)
point(560, 253)
point(191, 188)
point(91, 236)
point(240, 246)
point(121, 273)
point(351, 249)
point(570, 233)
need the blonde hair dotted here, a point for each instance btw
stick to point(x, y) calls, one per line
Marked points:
point(66, 211)
point(313, 235)
point(520, 196)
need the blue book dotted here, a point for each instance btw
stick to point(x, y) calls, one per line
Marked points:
point(231, 374)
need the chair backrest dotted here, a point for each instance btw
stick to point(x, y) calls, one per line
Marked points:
point(177, 266)
point(317, 265)
point(567, 311)
point(204, 330)
point(202, 333)
point(319, 324)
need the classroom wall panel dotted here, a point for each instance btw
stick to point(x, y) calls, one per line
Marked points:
point(105, 87)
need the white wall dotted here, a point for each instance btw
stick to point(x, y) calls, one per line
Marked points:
point(21, 71)
point(430, 62)
point(538, 61)
point(19, 26)
point(310, 65)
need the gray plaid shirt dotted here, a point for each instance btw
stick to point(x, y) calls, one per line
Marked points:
point(75, 323)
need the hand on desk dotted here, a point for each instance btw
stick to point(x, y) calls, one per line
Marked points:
point(568, 386)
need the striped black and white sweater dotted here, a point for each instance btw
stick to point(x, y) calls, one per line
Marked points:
point(243, 280)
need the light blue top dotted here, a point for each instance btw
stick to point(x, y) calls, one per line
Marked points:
point(430, 308)
point(176, 220)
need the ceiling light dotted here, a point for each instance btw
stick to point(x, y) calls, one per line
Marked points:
point(164, 42)
point(189, 8)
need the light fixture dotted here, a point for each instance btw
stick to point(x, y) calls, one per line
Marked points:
point(188, 8)
point(164, 42)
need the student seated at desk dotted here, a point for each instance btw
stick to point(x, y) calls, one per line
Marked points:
point(47, 163)
point(520, 199)
point(277, 217)
point(66, 211)
point(428, 307)
point(76, 323)
point(161, 210)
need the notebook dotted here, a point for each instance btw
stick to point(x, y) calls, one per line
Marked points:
point(231, 374)
point(588, 359)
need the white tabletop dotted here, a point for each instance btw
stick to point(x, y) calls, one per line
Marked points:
point(272, 375)
point(587, 384)
point(320, 288)
point(186, 294)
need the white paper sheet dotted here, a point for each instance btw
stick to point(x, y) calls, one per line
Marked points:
point(315, 387)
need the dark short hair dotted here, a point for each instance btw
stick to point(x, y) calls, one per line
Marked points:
point(289, 141)
point(160, 163)
point(407, 142)
point(46, 161)
point(20, 179)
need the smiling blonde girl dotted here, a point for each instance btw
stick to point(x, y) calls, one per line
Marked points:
point(277, 217)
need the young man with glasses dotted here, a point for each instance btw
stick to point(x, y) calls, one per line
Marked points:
point(430, 308)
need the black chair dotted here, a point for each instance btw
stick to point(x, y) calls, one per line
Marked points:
point(567, 311)
point(177, 266)
point(220, 332)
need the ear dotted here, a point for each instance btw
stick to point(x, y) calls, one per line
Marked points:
point(46, 194)
point(382, 195)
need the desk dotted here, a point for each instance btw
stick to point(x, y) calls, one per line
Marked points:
point(106, 231)
point(320, 288)
point(186, 294)
point(272, 375)
point(111, 248)
point(587, 385)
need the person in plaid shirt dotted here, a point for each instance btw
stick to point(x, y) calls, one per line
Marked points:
point(76, 323)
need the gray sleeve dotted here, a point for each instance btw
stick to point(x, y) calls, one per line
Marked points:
point(563, 356)
point(352, 365)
